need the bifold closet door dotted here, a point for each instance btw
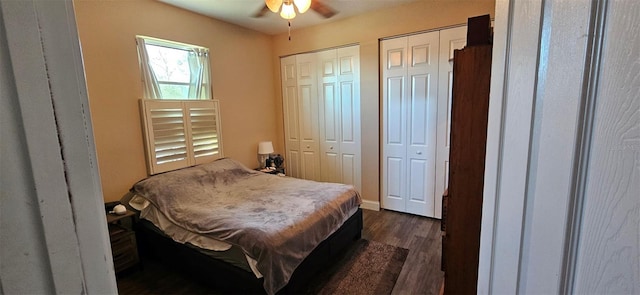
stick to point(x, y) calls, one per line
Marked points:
point(292, 155)
point(450, 40)
point(330, 109)
point(300, 103)
point(321, 101)
point(410, 73)
point(307, 81)
point(339, 106)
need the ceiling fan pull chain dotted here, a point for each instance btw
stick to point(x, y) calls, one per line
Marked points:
point(289, 30)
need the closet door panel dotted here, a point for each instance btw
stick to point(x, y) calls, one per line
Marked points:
point(348, 114)
point(308, 116)
point(310, 169)
point(394, 197)
point(331, 167)
point(450, 40)
point(420, 148)
point(308, 128)
point(350, 171)
point(348, 80)
point(294, 164)
point(330, 132)
point(329, 109)
point(422, 112)
point(291, 118)
point(331, 113)
point(419, 110)
point(349, 130)
point(417, 200)
point(394, 123)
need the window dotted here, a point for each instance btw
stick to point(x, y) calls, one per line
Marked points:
point(181, 123)
point(172, 70)
point(180, 133)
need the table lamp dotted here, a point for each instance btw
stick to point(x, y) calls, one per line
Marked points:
point(264, 149)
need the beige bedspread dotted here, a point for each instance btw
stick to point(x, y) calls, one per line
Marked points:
point(276, 220)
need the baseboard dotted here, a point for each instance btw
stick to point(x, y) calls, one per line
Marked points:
point(370, 205)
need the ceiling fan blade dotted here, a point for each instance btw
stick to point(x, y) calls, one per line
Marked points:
point(322, 9)
point(260, 13)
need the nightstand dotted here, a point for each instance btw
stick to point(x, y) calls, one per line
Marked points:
point(276, 171)
point(123, 241)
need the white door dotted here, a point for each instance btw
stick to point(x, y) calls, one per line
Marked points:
point(291, 117)
point(321, 101)
point(349, 121)
point(329, 112)
point(410, 73)
point(308, 116)
point(450, 40)
point(394, 125)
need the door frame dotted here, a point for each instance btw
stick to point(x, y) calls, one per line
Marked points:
point(502, 204)
point(61, 177)
point(532, 192)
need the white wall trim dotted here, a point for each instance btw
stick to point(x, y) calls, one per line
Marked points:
point(370, 205)
point(510, 122)
point(494, 132)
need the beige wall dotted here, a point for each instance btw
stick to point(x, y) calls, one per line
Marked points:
point(245, 72)
point(241, 69)
point(366, 30)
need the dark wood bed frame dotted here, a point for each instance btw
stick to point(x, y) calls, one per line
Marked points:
point(226, 278)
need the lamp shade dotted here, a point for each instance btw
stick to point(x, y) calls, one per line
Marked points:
point(287, 11)
point(274, 5)
point(303, 5)
point(265, 147)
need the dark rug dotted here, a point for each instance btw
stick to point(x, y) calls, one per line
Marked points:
point(368, 267)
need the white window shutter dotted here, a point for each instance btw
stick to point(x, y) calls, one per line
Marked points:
point(205, 130)
point(180, 133)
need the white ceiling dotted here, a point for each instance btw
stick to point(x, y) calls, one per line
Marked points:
point(240, 12)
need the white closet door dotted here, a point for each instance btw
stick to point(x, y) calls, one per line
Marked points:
point(421, 127)
point(293, 153)
point(308, 116)
point(329, 110)
point(339, 106)
point(410, 74)
point(321, 101)
point(450, 40)
point(394, 150)
point(349, 121)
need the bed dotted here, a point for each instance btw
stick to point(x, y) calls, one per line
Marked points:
point(242, 230)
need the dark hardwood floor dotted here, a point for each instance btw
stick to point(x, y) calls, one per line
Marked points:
point(421, 271)
point(420, 274)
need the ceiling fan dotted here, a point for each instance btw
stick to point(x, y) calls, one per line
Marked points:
point(278, 5)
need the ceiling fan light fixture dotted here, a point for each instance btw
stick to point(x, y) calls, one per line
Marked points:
point(302, 5)
point(288, 12)
point(274, 5)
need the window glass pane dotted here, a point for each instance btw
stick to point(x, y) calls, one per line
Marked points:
point(169, 64)
point(172, 70)
point(174, 91)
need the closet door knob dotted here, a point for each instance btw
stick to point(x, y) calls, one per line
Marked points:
point(419, 152)
point(308, 146)
point(330, 147)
